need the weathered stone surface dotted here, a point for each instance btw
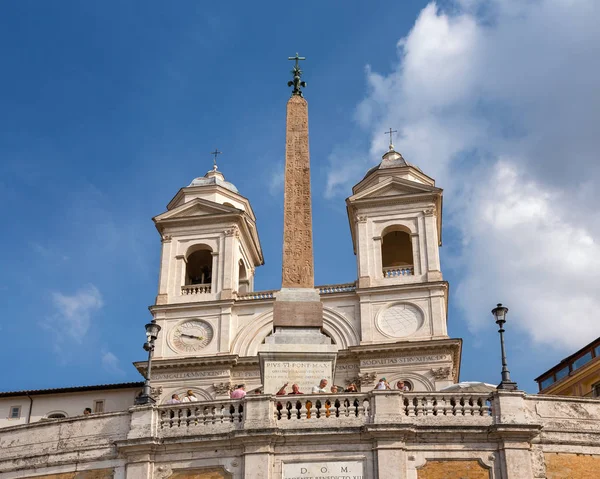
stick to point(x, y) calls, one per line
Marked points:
point(298, 263)
point(212, 473)
point(297, 313)
point(93, 474)
point(572, 466)
point(453, 470)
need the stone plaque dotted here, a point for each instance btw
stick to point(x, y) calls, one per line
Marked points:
point(304, 373)
point(323, 470)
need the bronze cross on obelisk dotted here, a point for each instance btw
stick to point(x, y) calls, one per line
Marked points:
point(391, 132)
point(297, 73)
point(216, 152)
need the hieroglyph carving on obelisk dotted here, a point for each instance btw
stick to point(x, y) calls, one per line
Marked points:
point(297, 233)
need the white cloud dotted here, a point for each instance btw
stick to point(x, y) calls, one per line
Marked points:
point(498, 101)
point(73, 313)
point(276, 179)
point(111, 363)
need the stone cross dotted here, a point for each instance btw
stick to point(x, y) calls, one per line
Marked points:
point(391, 132)
point(216, 152)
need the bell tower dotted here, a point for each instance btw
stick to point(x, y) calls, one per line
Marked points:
point(396, 224)
point(210, 245)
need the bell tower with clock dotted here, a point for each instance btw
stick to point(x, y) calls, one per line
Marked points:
point(210, 249)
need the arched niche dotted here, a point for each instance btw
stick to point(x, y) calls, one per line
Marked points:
point(251, 336)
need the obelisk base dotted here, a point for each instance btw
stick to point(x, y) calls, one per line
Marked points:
point(297, 352)
point(295, 307)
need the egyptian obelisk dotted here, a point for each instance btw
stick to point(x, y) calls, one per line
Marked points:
point(297, 351)
point(298, 304)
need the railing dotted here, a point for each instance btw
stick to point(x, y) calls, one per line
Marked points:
point(189, 289)
point(446, 404)
point(327, 289)
point(256, 295)
point(323, 406)
point(396, 271)
point(337, 288)
point(201, 413)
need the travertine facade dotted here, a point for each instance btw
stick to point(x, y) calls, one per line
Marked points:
point(381, 434)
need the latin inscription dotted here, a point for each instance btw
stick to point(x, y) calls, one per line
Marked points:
point(323, 470)
point(189, 374)
point(405, 360)
point(304, 373)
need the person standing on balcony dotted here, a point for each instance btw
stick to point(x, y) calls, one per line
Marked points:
point(321, 387)
point(174, 399)
point(382, 384)
point(239, 392)
point(190, 397)
point(351, 388)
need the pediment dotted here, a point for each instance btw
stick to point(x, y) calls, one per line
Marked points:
point(196, 207)
point(394, 187)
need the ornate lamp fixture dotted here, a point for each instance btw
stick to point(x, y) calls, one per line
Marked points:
point(499, 313)
point(152, 330)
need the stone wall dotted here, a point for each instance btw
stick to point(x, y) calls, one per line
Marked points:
point(93, 474)
point(389, 433)
point(453, 470)
point(572, 466)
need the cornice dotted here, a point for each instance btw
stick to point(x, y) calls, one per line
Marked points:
point(402, 287)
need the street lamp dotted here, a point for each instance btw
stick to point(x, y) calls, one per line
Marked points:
point(506, 384)
point(152, 330)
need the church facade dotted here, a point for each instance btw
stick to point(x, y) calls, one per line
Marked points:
point(390, 322)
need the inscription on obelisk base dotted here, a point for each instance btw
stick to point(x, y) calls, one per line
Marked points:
point(297, 351)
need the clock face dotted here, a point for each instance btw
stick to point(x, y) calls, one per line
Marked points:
point(191, 336)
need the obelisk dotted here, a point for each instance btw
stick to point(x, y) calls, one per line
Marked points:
point(298, 304)
point(297, 351)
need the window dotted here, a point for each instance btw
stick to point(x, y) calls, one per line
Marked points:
point(243, 279)
point(99, 405)
point(562, 373)
point(199, 267)
point(15, 412)
point(596, 390)
point(586, 358)
point(396, 252)
point(56, 415)
point(597, 351)
point(547, 382)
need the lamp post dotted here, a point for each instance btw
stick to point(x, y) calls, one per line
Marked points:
point(152, 330)
point(499, 313)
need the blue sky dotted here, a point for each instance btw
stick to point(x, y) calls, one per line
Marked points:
point(108, 108)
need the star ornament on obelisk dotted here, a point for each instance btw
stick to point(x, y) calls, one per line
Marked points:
point(297, 351)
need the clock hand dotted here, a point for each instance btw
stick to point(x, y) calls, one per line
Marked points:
point(191, 336)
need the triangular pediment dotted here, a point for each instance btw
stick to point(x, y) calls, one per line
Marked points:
point(196, 207)
point(394, 187)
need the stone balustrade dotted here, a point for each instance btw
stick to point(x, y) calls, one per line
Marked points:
point(256, 295)
point(447, 404)
point(397, 271)
point(337, 288)
point(324, 410)
point(191, 289)
point(353, 407)
point(201, 413)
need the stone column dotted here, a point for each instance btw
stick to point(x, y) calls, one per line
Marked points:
point(258, 459)
point(163, 276)
point(390, 457)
